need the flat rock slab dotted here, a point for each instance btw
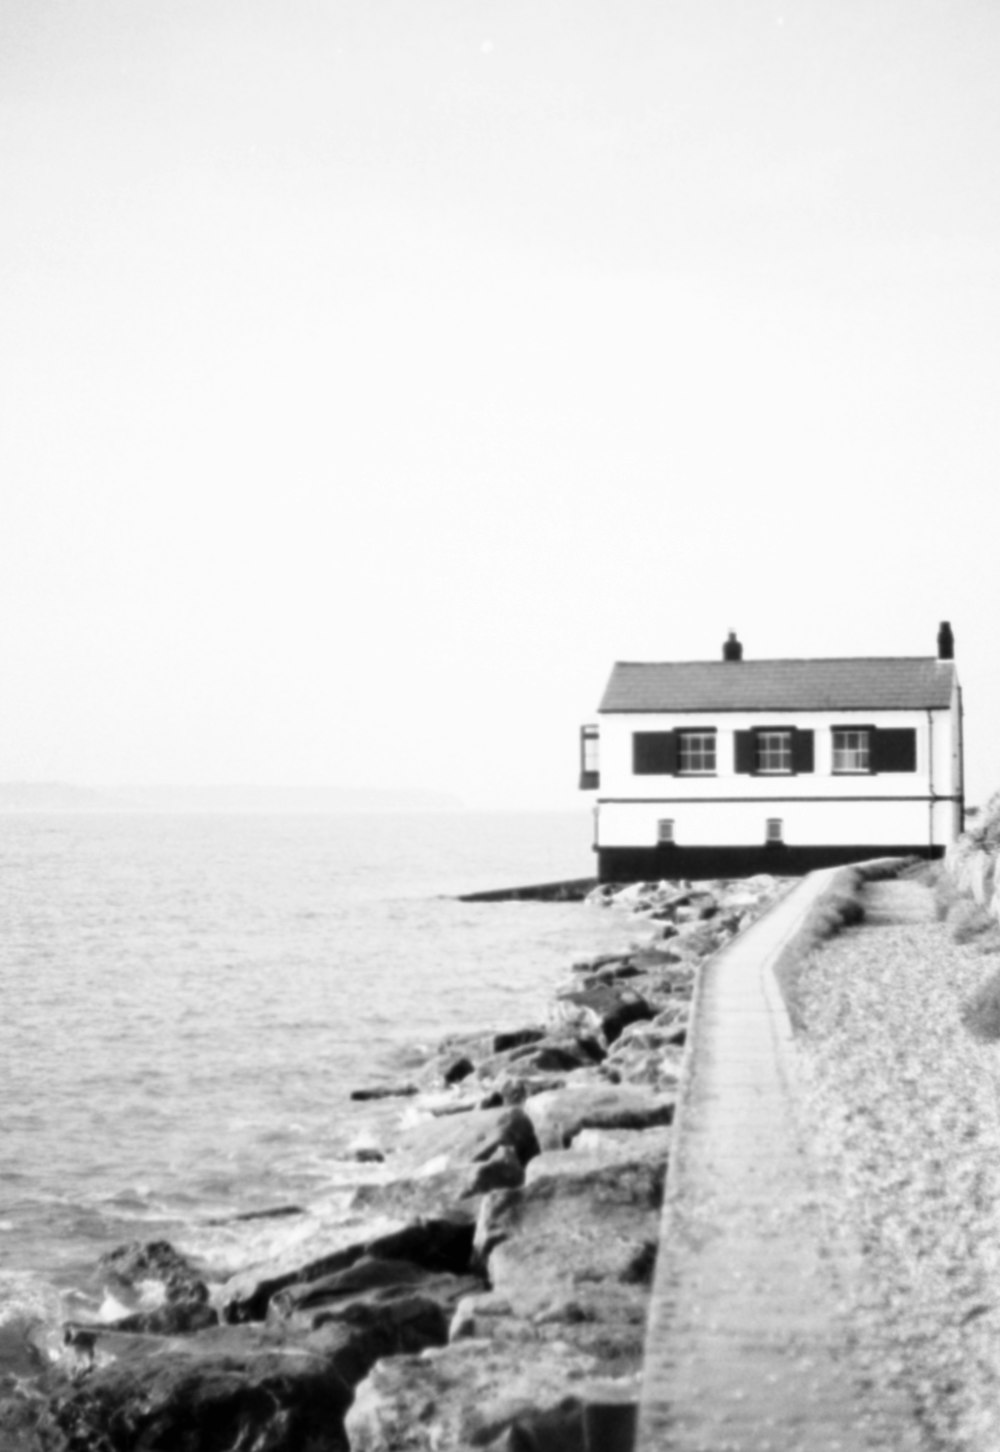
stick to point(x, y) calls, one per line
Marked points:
point(579, 1241)
point(440, 1243)
point(559, 1115)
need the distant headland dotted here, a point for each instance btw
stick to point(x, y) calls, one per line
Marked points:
point(57, 796)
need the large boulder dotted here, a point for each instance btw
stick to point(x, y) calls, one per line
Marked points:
point(440, 1243)
point(162, 1290)
point(474, 1394)
point(225, 1390)
point(553, 1054)
point(578, 1242)
point(465, 1139)
point(602, 1010)
point(650, 1054)
point(559, 1115)
point(375, 1291)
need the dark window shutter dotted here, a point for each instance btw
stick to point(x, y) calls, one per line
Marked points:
point(803, 753)
point(745, 757)
point(894, 749)
point(654, 753)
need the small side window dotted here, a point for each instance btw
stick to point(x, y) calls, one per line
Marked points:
point(775, 830)
point(665, 830)
point(590, 775)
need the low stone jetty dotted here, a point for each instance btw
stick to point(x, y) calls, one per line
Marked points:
point(573, 889)
point(489, 1288)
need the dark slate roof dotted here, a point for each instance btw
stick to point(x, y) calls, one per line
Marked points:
point(894, 683)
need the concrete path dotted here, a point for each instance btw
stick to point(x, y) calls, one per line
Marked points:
point(745, 1349)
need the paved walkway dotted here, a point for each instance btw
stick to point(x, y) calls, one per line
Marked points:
point(745, 1350)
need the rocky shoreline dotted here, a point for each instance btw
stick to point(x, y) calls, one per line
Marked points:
point(486, 1287)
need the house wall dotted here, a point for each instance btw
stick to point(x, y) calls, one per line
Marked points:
point(816, 808)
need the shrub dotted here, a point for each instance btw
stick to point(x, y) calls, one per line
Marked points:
point(946, 896)
point(839, 908)
point(985, 829)
point(967, 921)
point(981, 1012)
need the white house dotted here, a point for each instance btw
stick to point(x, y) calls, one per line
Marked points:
point(729, 767)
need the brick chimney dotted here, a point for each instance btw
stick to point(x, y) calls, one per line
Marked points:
point(945, 642)
point(731, 648)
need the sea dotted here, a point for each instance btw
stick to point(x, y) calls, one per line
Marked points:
point(187, 1002)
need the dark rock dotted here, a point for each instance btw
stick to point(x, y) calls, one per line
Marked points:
point(560, 1115)
point(278, 1212)
point(227, 1390)
point(385, 1091)
point(516, 1039)
point(374, 1291)
point(603, 1010)
point(439, 1243)
point(458, 1070)
point(599, 961)
point(129, 1269)
point(613, 973)
point(467, 1139)
point(557, 1053)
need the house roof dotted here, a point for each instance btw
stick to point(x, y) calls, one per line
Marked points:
point(893, 683)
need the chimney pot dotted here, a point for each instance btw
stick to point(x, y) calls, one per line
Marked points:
point(945, 642)
point(732, 649)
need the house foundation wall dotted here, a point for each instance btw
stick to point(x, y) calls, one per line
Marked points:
point(639, 864)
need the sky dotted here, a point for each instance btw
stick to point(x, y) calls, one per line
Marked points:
point(373, 374)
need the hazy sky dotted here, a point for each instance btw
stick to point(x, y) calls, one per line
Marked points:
point(373, 373)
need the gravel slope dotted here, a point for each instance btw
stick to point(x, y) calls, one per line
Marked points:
point(901, 1105)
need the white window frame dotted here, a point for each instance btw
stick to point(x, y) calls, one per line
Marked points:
point(773, 752)
point(696, 752)
point(852, 751)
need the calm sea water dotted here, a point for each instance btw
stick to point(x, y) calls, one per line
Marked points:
point(187, 1002)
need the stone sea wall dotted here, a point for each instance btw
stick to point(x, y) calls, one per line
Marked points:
point(488, 1283)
